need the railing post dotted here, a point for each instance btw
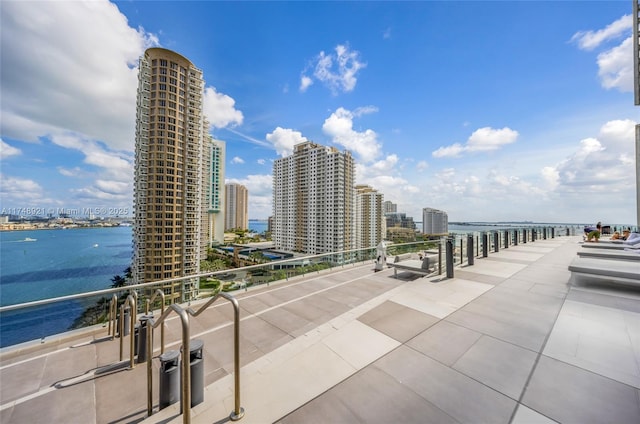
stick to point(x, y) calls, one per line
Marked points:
point(440, 257)
point(449, 253)
point(132, 330)
point(186, 368)
point(496, 241)
point(121, 330)
point(516, 235)
point(113, 316)
point(524, 235)
point(238, 411)
point(485, 245)
point(470, 256)
point(506, 239)
point(149, 368)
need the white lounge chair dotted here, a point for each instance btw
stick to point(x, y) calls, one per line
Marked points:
point(614, 246)
point(425, 266)
point(607, 270)
point(625, 255)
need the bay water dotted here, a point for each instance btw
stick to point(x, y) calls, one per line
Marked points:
point(41, 264)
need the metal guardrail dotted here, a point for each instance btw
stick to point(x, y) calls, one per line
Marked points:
point(238, 411)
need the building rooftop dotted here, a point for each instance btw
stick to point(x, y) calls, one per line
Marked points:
point(512, 338)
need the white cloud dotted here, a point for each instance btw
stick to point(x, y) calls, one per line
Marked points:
point(481, 140)
point(74, 172)
point(599, 165)
point(452, 151)
point(487, 138)
point(305, 82)
point(220, 109)
point(112, 176)
point(336, 71)
point(615, 65)
point(92, 62)
point(339, 126)
point(261, 161)
point(618, 135)
point(7, 150)
point(112, 187)
point(589, 40)
point(20, 191)
point(283, 140)
point(551, 176)
point(388, 164)
point(422, 165)
point(237, 160)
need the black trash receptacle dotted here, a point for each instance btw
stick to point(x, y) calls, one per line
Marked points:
point(169, 378)
point(196, 362)
point(142, 338)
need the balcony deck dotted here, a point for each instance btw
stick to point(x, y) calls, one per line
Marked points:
point(512, 338)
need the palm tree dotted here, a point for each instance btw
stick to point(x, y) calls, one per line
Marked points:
point(118, 281)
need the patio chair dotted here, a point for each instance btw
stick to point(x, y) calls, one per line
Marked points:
point(606, 270)
point(613, 246)
point(625, 255)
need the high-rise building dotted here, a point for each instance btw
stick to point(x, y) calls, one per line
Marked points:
point(313, 200)
point(172, 165)
point(400, 220)
point(370, 224)
point(216, 196)
point(434, 222)
point(389, 207)
point(236, 207)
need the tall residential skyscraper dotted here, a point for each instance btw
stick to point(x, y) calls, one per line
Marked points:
point(313, 200)
point(236, 207)
point(216, 198)
point(172, 164)
point(370, 221)
point(434, 222)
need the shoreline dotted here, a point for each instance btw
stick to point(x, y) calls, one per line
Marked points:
point(61, 227)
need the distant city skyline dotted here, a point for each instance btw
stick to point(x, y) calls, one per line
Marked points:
point(490, 111)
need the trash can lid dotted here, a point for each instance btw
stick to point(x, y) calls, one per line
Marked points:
point(146, 317)
point(169, 355)
point(195, 345)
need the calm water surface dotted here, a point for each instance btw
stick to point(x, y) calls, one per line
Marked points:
point(41, 264)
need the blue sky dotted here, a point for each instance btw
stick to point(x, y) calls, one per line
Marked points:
point(488, 110)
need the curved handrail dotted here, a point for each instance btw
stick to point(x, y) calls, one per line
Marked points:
point(238, 411)
point(186, 366)
point(157, 293)
point(131, 303)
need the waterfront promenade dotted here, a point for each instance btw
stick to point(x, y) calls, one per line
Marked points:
point(512, 338)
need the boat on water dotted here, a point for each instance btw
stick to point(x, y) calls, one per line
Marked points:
point(95, 245)
point(30, 239)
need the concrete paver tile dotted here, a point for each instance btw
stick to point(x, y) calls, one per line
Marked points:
point(461, 397)
point(500, 365)
point(553, 391)
point(445, 342)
